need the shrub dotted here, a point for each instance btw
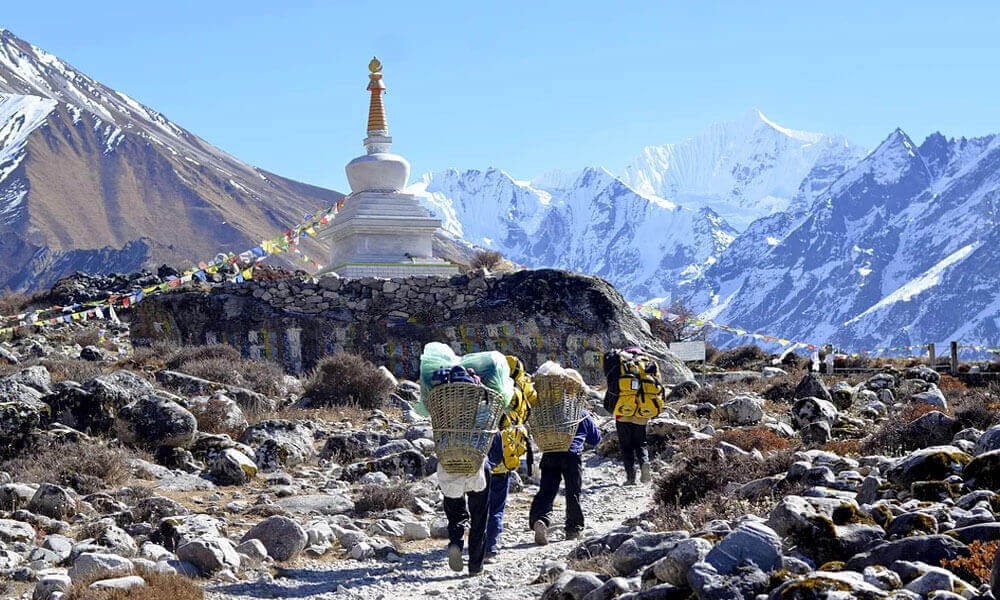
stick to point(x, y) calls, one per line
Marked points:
point(742, 357)
point(223, 363)
point(703, 469)
point(891, 438)
point(760, 438)
point(977, 407)
point(977, 566)
point(374, 498)
point(347, 379)
point(159, 586)
point(490, 260)
point(844, 447)
point(949, 384)
point(781, 390)
point(715, 505)
point(86, 466)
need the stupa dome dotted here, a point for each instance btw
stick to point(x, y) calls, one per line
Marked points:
point(378, 170)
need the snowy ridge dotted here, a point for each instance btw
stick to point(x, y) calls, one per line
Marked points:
point(590, 221)
point(19, 116)
point(743, 169)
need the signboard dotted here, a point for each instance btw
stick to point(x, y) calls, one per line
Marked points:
point(689, 351)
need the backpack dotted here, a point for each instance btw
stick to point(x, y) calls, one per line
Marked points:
point(513, 432)
point(634, 388)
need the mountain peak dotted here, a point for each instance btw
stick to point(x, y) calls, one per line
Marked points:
point(756, 116)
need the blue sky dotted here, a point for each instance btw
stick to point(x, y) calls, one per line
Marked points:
point(527, 87)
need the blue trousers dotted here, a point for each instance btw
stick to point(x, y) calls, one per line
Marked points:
point(499, 486)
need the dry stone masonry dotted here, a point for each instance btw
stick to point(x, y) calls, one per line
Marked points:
point(538, 315)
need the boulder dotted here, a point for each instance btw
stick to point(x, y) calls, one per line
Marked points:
point(750, 542)
point(644, 549)
point(931, 396)
point(93, 407)
point(571, 585)
point(279, 443)
point(17, 420)
point(928, 464)
point(931, 549)
point(827, 585)
point(51, 583)
point(320, 504)
point(36, 377)
point(210, 554)
point(842, 395)
point(152, 422)
point(52, 501)
point(989, 440)
point(811, 409)
point(922, 372)
point(983, 472)
point(743, 410)
point(931, 429)
point(673, 567)
point(283, 537)
point(217, 414)
point(232, 467)
point(349, 446)
point(122, 584)
point(94, 564)
point(816, 433)
point(15, 531)
point(409, 463)
point(812, 386)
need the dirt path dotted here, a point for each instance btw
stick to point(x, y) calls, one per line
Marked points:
point(423, 570)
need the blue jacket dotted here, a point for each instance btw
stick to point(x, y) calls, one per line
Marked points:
point(495, 455)
point(586, 433)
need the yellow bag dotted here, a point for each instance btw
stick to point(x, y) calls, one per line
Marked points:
point(640, 393)
point(513, 432)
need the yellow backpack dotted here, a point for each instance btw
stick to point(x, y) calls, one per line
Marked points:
point(513, 431)
point(640, 393)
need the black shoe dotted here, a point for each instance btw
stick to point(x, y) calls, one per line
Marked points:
point(491, 558)
point(455, 558)
point(630, 480)
point(573, 534)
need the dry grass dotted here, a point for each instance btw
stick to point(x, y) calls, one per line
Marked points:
point(344, 379)
point(159, 586)
point(891, 438)
point(844, 447)
point(976, 567)
point(742, 357)
point(977, 407)
point(12, 303)
point(951, 385)
point(714, 505)
point(702, 469)
point(755, 438)
point(330, 414)
point(87, 467)
point(221, 363)
point(490, 260)
point(593, 564)
point(375, 498)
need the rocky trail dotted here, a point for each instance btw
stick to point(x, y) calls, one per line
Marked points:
point(422, 570)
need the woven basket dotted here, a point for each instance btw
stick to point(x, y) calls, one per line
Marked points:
point(464, 418)
point(557, 411)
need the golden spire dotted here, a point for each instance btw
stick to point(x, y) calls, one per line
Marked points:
point(376, 112)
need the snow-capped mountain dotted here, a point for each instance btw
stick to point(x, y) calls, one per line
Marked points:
point(589, 221)
point(90, 177)
point(903, 249)
point(743, 169)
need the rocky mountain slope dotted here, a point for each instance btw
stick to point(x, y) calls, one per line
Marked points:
point(743, 169)
point(900, 250)
point(91, 179)
point(591, 222)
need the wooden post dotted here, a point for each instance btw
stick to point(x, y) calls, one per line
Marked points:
point(954, 359)
point(932, 356)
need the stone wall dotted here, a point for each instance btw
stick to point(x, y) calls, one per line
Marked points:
point(538, 315)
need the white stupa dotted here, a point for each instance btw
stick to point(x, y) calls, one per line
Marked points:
point(381, 231)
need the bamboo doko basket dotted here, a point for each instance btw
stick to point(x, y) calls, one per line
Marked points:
point(464, 417)
point(556, 412)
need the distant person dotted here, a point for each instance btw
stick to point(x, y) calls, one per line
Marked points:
point(470, 511)
point(514, 433)
point(634, 395)
point(568, 467)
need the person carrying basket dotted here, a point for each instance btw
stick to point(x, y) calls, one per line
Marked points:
point(514, 433)
point(561, 427)
point(465, 398)
point(635, 395)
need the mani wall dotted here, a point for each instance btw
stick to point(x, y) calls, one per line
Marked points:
point(537, 315)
